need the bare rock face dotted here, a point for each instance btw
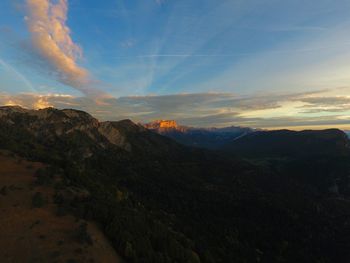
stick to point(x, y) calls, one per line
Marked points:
point(113, 135)
point(50, 122)
point(119, 132)
point(162, 126)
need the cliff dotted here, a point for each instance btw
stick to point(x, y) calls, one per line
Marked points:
point(162, 126)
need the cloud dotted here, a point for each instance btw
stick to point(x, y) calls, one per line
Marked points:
point(206, 109)
point(129, 43)
point(326, 104)
point(51, 38)
point(327, 101)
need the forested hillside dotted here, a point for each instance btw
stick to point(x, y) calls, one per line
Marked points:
point(159, 201)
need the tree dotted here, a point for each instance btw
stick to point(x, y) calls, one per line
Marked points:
point(38, 200)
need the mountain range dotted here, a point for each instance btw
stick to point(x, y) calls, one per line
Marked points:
point(261, 196)
point(208, 138)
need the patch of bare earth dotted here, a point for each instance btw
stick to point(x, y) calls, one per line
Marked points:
point(37, 234)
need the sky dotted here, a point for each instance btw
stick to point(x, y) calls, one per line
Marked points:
point(259, 63)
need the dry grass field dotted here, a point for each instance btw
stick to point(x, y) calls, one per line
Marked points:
point(32, 234)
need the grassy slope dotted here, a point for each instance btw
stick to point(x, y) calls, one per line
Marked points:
point(31, 234)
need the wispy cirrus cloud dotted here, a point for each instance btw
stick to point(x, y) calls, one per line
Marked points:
point(17, 74)
point(51, 38)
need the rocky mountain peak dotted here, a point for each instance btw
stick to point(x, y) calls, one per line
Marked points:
point(50, 123)
point(5, 110)
point(162, 126)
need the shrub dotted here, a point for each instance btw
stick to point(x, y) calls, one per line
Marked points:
point(38, 200)
point(3, 190)
point(82, 234)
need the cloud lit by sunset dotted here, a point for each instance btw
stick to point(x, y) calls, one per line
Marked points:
point(202, 63)
point(51, 37)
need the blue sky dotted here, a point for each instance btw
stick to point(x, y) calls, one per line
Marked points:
point(257, 63)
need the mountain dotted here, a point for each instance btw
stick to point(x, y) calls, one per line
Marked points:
point(159, 201)
point(347, 133)
point(290, 143)
point(315, 158)
point(164, 125)
point(50, 126)
point(208, 138)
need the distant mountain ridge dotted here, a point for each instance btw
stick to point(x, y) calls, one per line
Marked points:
point(209, 138)
point(290, 143)
point(347, 132)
